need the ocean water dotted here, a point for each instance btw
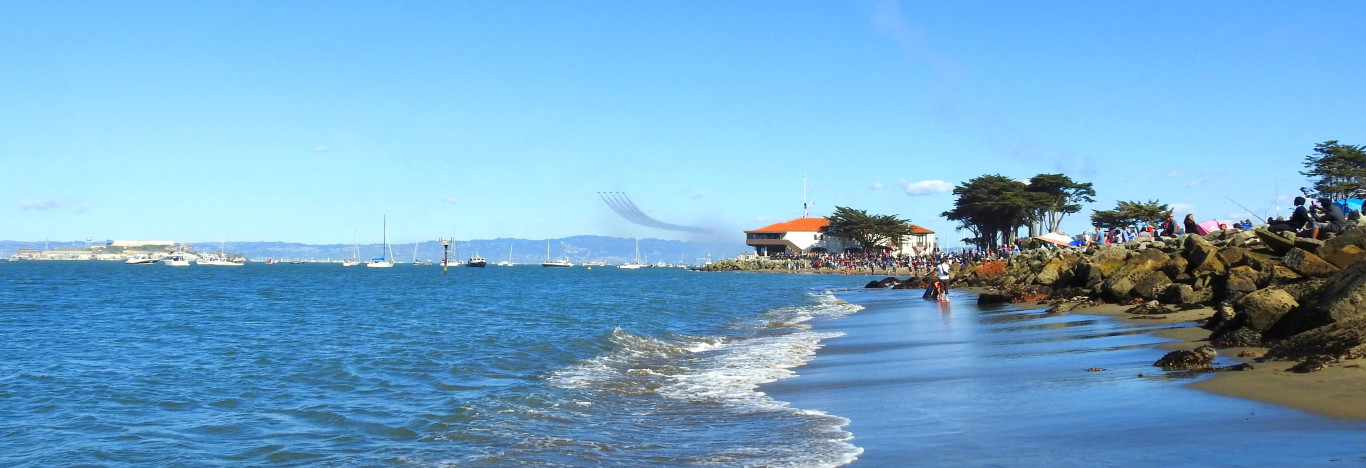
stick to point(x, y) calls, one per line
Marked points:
point(321, 365)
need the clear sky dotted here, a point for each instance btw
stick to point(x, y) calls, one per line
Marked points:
point(311, 121)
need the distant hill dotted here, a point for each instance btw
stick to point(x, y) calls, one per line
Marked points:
point(578, 249)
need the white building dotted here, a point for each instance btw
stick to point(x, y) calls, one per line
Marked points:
point(139, 243)
point(802, 235)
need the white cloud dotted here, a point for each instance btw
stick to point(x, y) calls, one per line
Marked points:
point(702, 193)
point(451, 200)
point(41, 205)
point(319, 149)
point(1182, 208)
point(926, 187)
point(876, 186)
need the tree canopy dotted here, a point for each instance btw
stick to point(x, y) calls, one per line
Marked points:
point(992, 207)
point(867, 230)
point(1131, 213)
point(1057, 195)
point(1337, 171)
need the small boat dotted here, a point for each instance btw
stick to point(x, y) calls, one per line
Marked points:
point(355, 258)
point(635, 265)
point(476, 261)
point(141, 260)
point(176, 260)
point(383, 262)
point(507, 262)
point(561, 263)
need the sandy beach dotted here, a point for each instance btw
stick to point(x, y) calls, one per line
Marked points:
point(929, 383)
point(1338, 392)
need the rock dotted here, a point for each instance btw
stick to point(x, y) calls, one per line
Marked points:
point(1308, 243)
point(1234, 256)
point(1336, 250)
point(1050, 272)
point(1149, 308)
point(1241, 337)
point(1109, 259)
point(1265, 307)
point(1312, 364)
point(1343, 256)
point(1152, 285)
point(1341, 298)
point(1199, 359)
point(1242, 279)
point(1178, 294)
point(1198, 252)
point(1308, 264)
point(1223, 318)
point(1277, 274)
point(914, 282)
point(1277, 243)
point(1341, 340)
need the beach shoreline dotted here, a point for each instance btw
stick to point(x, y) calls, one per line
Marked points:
point(1335, 392)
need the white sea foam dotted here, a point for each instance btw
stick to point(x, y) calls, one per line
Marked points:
point(727, 373)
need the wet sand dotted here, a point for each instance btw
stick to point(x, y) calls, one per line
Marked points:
point(1338, 392)
point(928, 383)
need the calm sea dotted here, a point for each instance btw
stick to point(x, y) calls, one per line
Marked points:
point(317, 364)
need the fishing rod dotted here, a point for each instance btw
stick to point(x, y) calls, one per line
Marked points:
point(1240, 205)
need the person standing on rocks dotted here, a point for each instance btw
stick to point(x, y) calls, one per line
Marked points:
point(1189, 222)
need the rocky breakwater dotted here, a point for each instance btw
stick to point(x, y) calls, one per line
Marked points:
point(1302, 299)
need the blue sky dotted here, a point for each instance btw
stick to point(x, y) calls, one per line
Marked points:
point(310, 121)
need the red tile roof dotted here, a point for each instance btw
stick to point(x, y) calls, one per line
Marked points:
point(815, 224)
point(799, 224)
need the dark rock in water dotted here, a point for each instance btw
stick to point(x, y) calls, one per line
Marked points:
point(874, 285)
point(1199, 359)
point(1276, 242)
point(1342, 298)
point(1241, 337)
point(1308, 264)
point(1265, 307)
point(1341, 340)
point(913, 282)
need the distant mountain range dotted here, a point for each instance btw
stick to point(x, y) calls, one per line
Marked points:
point(577, 249)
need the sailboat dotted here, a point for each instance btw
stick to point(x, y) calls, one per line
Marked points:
point(387, 253)
point(636, 264)
point(507, 262)
point(355, 258)
point(561, 263)
point(220, 260)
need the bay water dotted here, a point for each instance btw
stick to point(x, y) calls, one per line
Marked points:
point(319, 364)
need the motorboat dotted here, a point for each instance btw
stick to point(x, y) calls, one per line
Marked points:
point(476, 261)
point(140, 260)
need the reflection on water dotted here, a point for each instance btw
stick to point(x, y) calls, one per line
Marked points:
point(1002, 386)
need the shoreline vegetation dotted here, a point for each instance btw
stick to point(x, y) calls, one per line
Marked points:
point(1290, 313)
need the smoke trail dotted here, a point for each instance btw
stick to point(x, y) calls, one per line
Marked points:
point(623, 206)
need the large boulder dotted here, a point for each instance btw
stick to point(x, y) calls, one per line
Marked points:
point(1276, 242)
point(1308, 264)
point(1342, 298)
point(1234, 256)
point(1152, 285)
point(1199, 253)
point(1242, 279)
point(1340, 340)
point(1181, 294)
point(1197, 359)
point(1346, 248)
point(1109, 259)
point(1265, 307)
